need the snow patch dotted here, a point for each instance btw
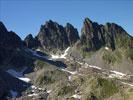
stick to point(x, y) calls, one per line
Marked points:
point(63, 56)
point(65, 53)
point(106, 48)
point(55, 56)
point(118, 73)
point(127, 83)
point(38, 49)
point(76, 96)
point(33, 87)
point(49, 91)
point(18, 75)
point(69, 77)
point(114, 76)
point(24, 79)
point(34, 94)
point(71, 72)
point(80, 63)
point(96, 67)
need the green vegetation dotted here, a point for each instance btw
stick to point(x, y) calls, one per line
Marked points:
point(66, 89)
point(49, 76)
point(85, 53)
point(107, 87)
point(40, 64)
point(111, 57)
point(130, 54)
point(123, 41)
point(43, 79)
point(131, 90)
point(97, 88)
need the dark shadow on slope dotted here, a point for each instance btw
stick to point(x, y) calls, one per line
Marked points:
point(13, 83)
point(44, 57)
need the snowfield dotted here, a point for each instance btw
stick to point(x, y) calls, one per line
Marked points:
point(53, 57)
point(76, 96)
point(127, 83)
point(95, 67)
point(63, 56)
point(71, 72)
point(34, 94)
point(18, 75)
point(116, 74)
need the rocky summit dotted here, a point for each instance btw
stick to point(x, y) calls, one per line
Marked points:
point(94, 36)
point(55, 36)
point(58, 64)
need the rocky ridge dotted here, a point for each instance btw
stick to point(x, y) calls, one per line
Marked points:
point(95, 36)
point(16, 53)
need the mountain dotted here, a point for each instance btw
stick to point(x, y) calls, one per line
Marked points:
point(95, 36)
point(9, 43)
point(54, 36)
point(10, 48)
point(31, 42)
point(94, 66)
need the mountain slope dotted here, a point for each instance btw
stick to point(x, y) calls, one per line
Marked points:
point(95, 66)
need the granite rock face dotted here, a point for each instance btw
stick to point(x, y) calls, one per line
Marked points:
point(10, 48)
point(55, 36)
point(31, 42)
point(9, 43)
point(9, 39)
point(72, 34)
point(3, 88)
point(94, 36)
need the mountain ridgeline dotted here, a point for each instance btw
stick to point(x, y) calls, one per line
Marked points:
point(59, 59)
point(93, 36)
point(53, 37)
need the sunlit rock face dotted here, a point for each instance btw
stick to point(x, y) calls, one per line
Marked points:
point(94, 36)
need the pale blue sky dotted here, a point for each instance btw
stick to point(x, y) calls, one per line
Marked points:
point(26, 16)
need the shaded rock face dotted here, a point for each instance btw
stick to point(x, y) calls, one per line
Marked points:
point(8, 39)
point(31, 42)
point(3, 89)
point(9, 42)
point(94, 36)
point(10, 48)
point(54, 36)
point(72, 34)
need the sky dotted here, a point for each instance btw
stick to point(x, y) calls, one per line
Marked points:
point(26, 16)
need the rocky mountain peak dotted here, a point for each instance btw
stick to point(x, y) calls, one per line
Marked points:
point(72, 33)
point(8, 39)
point(55, 36)
point(94, 36)
point(87, 20)
point(31, 42)
point(2, 28)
